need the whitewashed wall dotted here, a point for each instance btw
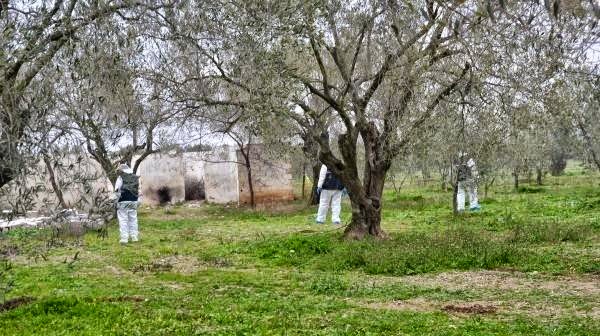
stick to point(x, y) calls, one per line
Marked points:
point(272, 178)
point(194, 175)
point(221, 176)
point(162, 171)
point(224, 180)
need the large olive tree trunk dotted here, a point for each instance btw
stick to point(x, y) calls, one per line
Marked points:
point(366, 209)
point(366, 193)
point(595, 157)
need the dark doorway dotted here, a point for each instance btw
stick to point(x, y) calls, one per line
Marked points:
point(194, 190)
point(164, 195)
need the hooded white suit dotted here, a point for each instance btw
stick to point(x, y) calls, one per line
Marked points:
point(126, 211)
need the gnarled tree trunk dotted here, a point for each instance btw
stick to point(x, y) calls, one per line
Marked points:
point(365, 195)
point(595, 157)
point(366, 209)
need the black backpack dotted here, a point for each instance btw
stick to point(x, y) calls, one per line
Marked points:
point(129, 189)
point(463, 172)
point(332, 182)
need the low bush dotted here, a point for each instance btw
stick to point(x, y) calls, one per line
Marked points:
point(531, 190)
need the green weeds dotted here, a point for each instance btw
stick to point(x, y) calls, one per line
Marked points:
point(421, 252)
point(404, 254)
point(531, 190)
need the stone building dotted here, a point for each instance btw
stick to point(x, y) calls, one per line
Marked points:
point(217, 177)
point(272, 179)
point(162, 179)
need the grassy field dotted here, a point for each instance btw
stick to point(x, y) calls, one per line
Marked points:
point(528, 264)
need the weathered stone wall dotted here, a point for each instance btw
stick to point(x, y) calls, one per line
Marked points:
point(221, 177)
point(272, 179)
point(80, 178)
point(162, 179)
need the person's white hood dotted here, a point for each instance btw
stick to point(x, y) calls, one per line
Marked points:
point(125, 169)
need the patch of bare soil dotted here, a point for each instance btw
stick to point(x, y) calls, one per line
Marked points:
point(115, 270)
point(470, 309)
point(123, 298)
point(218, 262)
point(425, 305)
point(508, 292)
point(280, 208)
point(15, 303)
point(509, 281)
point(419, 305)
point(177, 264)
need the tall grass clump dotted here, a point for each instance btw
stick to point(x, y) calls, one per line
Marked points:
point(293, 250)
point(410, 253)
point(549, 232)
point(403, 254)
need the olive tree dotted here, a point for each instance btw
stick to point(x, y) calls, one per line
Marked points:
point(381, 69)
point(384, 69)
point(111, 98)
point(33, 33)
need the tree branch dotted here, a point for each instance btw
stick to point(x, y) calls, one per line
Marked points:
point(390, 61)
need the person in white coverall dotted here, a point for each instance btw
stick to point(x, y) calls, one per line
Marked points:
point(127, 186)
point(330, 190)
point(467, 180)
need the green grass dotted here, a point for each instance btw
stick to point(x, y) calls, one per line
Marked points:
point(408, 253)
point(533, 254)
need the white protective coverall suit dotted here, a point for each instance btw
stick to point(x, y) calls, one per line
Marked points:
point(128, 202)
point(330, 193)
point(468, 182)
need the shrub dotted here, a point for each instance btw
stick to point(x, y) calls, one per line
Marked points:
point(531, 190)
